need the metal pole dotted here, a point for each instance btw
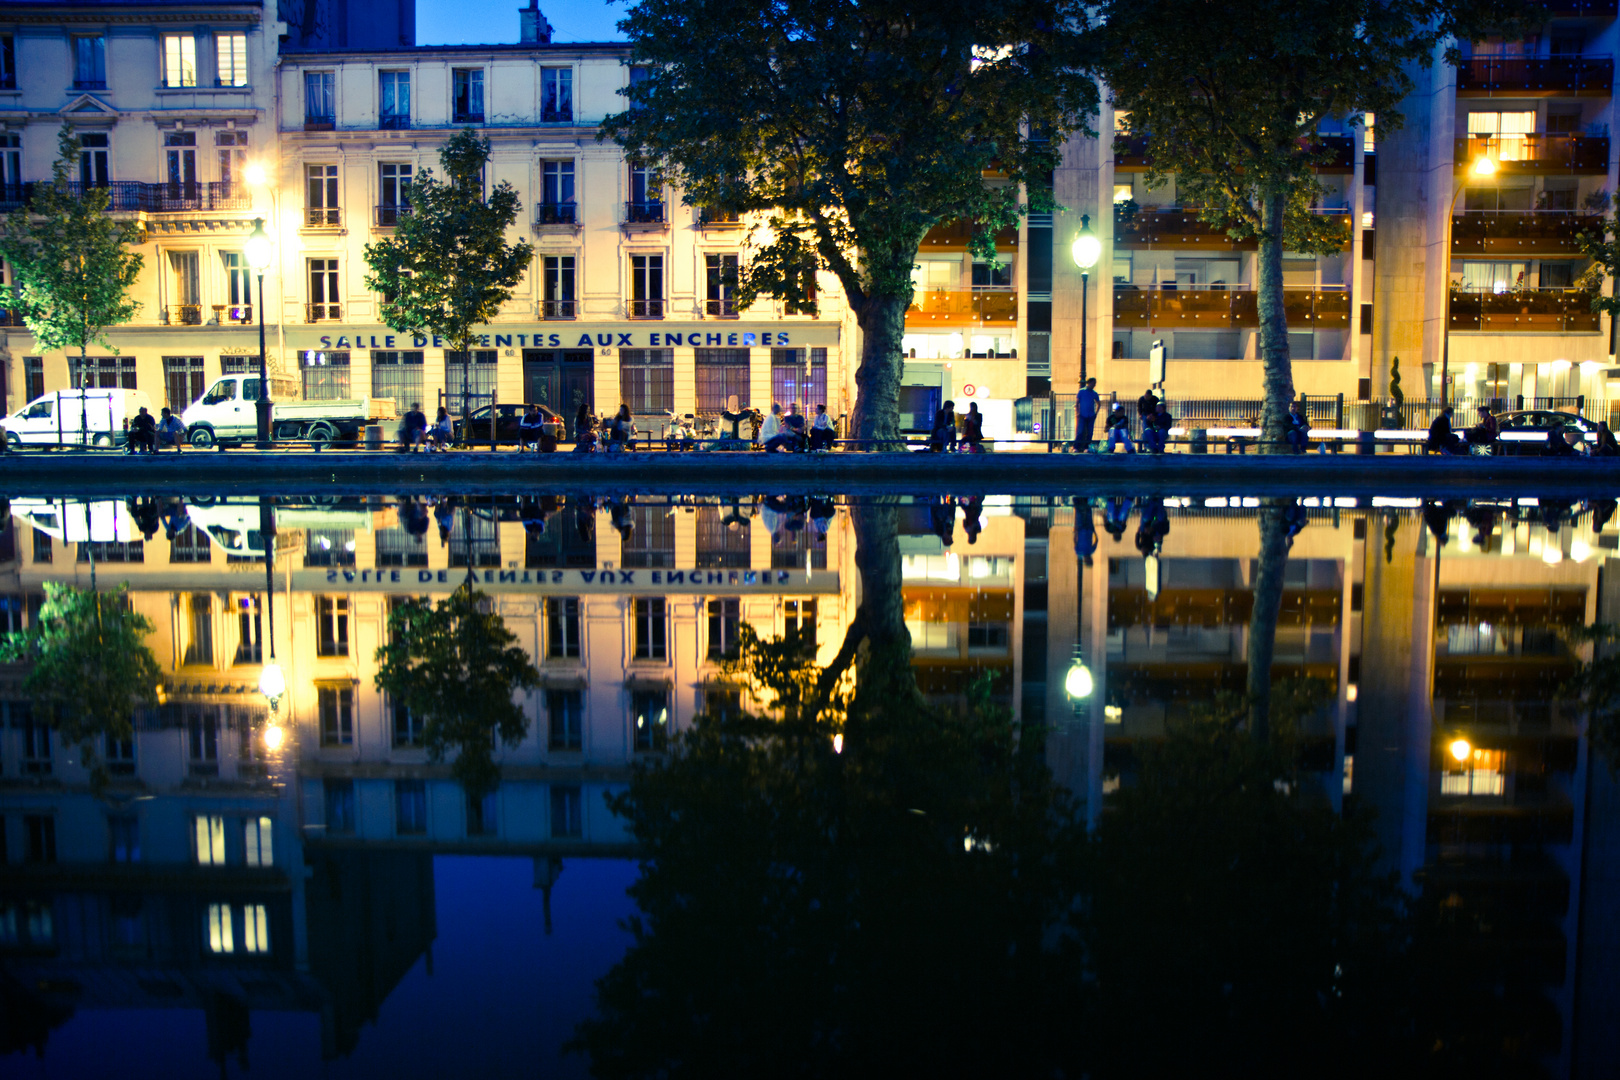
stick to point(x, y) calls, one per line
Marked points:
point(1085, 279)
point(267, 532)
point(263, 404)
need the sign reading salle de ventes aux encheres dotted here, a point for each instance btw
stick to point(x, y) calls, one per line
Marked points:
point(640, 582)
point(583, 336)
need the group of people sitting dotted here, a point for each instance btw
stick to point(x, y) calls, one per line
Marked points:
point(148, 435)
point(416, 434)
point(1154, 413)
point(945, 435)
point(782, 432)
point(1564, 441)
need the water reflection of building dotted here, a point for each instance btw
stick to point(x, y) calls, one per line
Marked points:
point(214, 873)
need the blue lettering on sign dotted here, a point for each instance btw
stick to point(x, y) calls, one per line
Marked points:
point(624, 340)
point(781, 338)
point(554, 340)
point(523, 339)
point(348, 575)
point(657, 577)
point(587, 576)
point(585, 341)
point(444, 575)
point(713, 339)
point(716, 577)
point(674, 577)
point(483, 339)
point(765, 338)
point(502, 339)
point(342, 343)
point(393, 575)
point(424, 576)
point(438, 342)
point(750, 577)
point(604, 340)
point(731, 339)
point(653, 341)
point(488, 579)
point(748, 339)
point(782, 576)
point(326, 342)
point(556, 577)
point(627, 577)
point(331, 575)
point(418, 342)
point(674, 339)
point(389, 341)
point(508, 575)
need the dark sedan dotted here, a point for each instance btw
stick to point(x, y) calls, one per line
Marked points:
point(1526, 432)
point(508, 421)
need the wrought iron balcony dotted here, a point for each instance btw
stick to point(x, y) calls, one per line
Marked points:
point(712, 217)
point(183, 315)
point(233, 314)
point(646, 309)
point(720, 309)
point(323, 217)
point(388, 215)
point(556, 213)
point(129, 196)
point(557, 309)
point(322, 312)
point(644, 213)
point(394, 121)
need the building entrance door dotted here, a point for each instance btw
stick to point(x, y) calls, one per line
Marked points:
point(560, 379)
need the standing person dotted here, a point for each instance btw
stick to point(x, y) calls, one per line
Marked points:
point(773, 434)
point(973, 429)
point(1086, 404)
point(943, 435)
point(171, 431)
point(415, 426)
point(1298, 429)
point(1119, 429)
point(822, 430)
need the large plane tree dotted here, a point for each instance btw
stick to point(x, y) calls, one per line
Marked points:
point(851, 130)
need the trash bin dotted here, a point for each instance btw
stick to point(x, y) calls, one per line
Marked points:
point(1198, 440)
point(374, 437)
point(1365, 443)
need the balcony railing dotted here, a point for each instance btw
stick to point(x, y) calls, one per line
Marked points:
point(1519, 75)
point(709, 217)
point(1130, 153)
point(557, 116)
point(556, 213)
point(319, 123)
point(1521, 154)
point(558, 309)
point(646, 309)
point(388, 215)
point(1520, 232)
point(1221, 309)
point(11, 317)
point(183, 315)
point(233, 314)
point(963, 307)
point(1555, 311)
point(323, 217)
point(720, 309)
point(460, 117)
point(394, 121)
point(644, 213)
point(128, 196)
point(1184, 227)
point(322, 312)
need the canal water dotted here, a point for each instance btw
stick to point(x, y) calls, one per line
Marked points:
point(809, 786)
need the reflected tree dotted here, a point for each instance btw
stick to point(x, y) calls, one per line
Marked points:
point(456, 665)
point(1598, 686)
point(91, 666)
point(1268, 591)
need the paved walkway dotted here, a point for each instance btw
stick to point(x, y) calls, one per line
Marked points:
point(251, 472)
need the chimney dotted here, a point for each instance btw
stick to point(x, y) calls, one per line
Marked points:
point(533, 28)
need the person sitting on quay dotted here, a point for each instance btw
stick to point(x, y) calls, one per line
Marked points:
point(530, 428)
point(413, 429)
point(1156, 429)
point(1606, 445)
point(1564, 442)
point(1119, 429)
point(793, 422)
point(973, 431)
point(621, 430)
point(171, 431)
point(442, 435)
point(1485, 432)
point(1442, 440)
point(822, 430)
point(1298, 428)
point(943, 435)
point(143, 433)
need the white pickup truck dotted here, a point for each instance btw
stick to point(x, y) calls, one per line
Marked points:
point(228, 413)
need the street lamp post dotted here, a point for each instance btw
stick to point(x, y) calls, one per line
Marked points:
point(258, 257)
point(272, 682)
point(1077, 682)
point(1483, 167)
point(1086, 250)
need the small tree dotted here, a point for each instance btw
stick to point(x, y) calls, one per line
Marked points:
point(456, 666)
point(91, 665)
point(448, 267)
point(71, 263)
point(854, 129)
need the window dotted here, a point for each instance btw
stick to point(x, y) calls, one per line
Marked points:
point(8, 62)
point(321, 207)
point(720, 297)
point(230, 50)
point(480, 543)
point(90, 62)
point(249, 630)
point(556, 95)
point(320, 100)
point(797, 548)
point(410, 807)
point(36, 734)
point(238, 288)
point(221, 938)
point(11, 167)
point(394, 100)
point(185, 291)
point(180, 61)
point(720, 374)
point(807, 306)
point(399, 547)
point(93, 147)
point(651, 542)
point(649, 717)
point(647, 286)
point(557, 300)
point(407, 726)
point(557, 205)
point(478, 377)
point(231, 148)
point(646, 196)
point(328, 547)
point(336, 706)
point(393, 181)
point(1481, 773)
point(41, 832)
point(34, 376)
point(323, 291)
point(103, 372)
point(722, 542)
point(200, 628)
point(724, 623)
point(180, 154)
point(182, 381)
point(996, 275)
point(989, 637)
point(326, 376)
point(651, 630)
point(120, 755)
point(202, 741)
point(467, 104)
point(565, 717)
point(332, 625)
point(208, 830)
point(397, 375)
point(562, 627)
point(799, 375)
point(482, 814)
point(647, 380)
point(1504, 132)
point(221, 929)
point(123, 838)
point(799, 617)
point(257, 841)
point(339, 805)
point(566, 812)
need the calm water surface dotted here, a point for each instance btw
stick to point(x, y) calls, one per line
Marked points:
point(1226, 786)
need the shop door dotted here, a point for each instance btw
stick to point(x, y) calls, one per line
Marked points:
point(560, 380)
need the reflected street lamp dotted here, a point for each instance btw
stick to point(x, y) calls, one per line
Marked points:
point(1085, 251)
point(258, 257)
point(1483, 168)
point(272, 681)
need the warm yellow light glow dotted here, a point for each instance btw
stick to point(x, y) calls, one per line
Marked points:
point(1551, 555)
point(257, 247)
point(256, 174)
point(1077, 683)
point(274, 736)
point(272, 683)
point(1580, 550)
point(1559, 366)
point(1461, 749)
point(1484, 166)
point(1086, 249)
point(838, 743)
point(1351, 691)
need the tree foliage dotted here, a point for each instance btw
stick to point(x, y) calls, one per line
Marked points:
point(91, 666)
point(448, 268)
point(70, 259)
point(852, 129)
point(456, 666)
point(1598, 685)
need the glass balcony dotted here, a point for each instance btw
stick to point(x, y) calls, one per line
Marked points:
point(1520, 232)
point(1522, 154)
point(1554, 311)
point(1222, 309)
point(962, 307)
point(1479, 76)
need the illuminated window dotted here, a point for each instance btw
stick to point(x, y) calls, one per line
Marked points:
point(255, 929)
point(210, 832)
point(650, 712)
point(257, 832)
point(220, 937)
point(179, 60)
point(232, 53)
point(1480, 774)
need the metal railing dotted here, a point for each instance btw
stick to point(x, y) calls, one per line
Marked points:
point(720, 309)
point(183, 315)
point(644, 213)
point(1536, 74)
point(130, 196)
point(556, 213)
point(228, 314)
point(322, 312)
point(388, 215)
point(646, 309)
point(394, 121)
point(323, 217)
point(709, 217)
point(558, 309)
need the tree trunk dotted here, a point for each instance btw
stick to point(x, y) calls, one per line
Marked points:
point(1278, 374)
point(84, 402)
point(1268, 590)
point(876, 417)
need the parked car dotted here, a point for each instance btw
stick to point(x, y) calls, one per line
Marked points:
point(508, 419)
point(1526, 432)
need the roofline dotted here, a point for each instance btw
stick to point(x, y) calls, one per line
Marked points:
point(418, 50)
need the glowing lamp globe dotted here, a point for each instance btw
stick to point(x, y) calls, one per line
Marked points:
point(1086, 249)
point(257, 248)
point(274, 736)
point(272, 683)
point(1078, 682)
point(1460, 749)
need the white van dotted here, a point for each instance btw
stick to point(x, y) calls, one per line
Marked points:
point(73, 417)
